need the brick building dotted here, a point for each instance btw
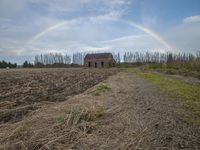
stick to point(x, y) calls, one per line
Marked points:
point(99, 60)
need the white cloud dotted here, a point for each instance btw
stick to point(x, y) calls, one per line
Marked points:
point(76, 5)
point(142, 42)
point(111, 16)
point(191, 19)
point(185, 37)
point(125, 38)
point(96, 48)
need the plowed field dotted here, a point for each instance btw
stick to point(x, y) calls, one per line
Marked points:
point(24, 90)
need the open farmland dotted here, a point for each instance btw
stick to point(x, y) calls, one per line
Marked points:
point(131, 109)
point(23, 90)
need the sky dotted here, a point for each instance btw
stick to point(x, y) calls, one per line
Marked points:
point(31, 27)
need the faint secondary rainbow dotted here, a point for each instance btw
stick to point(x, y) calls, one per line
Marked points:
point(148, 31)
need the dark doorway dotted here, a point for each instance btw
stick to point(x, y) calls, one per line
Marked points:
point(102, 64)
point(89, 64)
point(95, 65)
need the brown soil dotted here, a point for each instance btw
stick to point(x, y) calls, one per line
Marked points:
point(132, 114)
point(23, 90)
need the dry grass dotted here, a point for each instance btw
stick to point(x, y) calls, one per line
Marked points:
point(100, 89)
point(64, 129)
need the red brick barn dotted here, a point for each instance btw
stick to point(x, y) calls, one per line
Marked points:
point(99, 60)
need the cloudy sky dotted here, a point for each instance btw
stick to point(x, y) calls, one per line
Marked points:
point(30, 27)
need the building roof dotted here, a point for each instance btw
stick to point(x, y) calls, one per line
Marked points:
point(98, 56)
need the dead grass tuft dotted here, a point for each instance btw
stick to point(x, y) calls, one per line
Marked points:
point(100, 89)
point(76, 115)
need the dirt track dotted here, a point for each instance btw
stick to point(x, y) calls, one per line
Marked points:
point(136, 116)
point(144, 118)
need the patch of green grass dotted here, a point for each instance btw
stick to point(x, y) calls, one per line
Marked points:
point(189, 93)
point(154, 66)
point(99, 113)
point(61, 119)
point(171, 71)
point(100, 89)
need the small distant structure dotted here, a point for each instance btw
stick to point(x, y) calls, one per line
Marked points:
point(99, 60)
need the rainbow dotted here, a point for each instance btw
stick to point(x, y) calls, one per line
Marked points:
point(146, 30)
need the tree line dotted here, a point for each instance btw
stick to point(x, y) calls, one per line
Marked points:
point(77, 59)
point(128, 57)
point(187, 61)
point(156, 57)
point(4, 64)
point(58, 58)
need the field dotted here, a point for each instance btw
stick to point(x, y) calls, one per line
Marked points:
point(23, 90)
point(107, 109)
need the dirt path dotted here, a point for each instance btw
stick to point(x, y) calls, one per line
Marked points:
point(135, 116)
point(143, 118)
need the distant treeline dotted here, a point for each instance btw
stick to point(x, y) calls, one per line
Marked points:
point(4, 64)
point(53, 59)
point(156, 57)
point(128, 57)
point(57, 59)
point(173, 63)
point(169, 60)
point(27, 64)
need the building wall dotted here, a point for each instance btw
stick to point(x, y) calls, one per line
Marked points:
point(106, 63)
